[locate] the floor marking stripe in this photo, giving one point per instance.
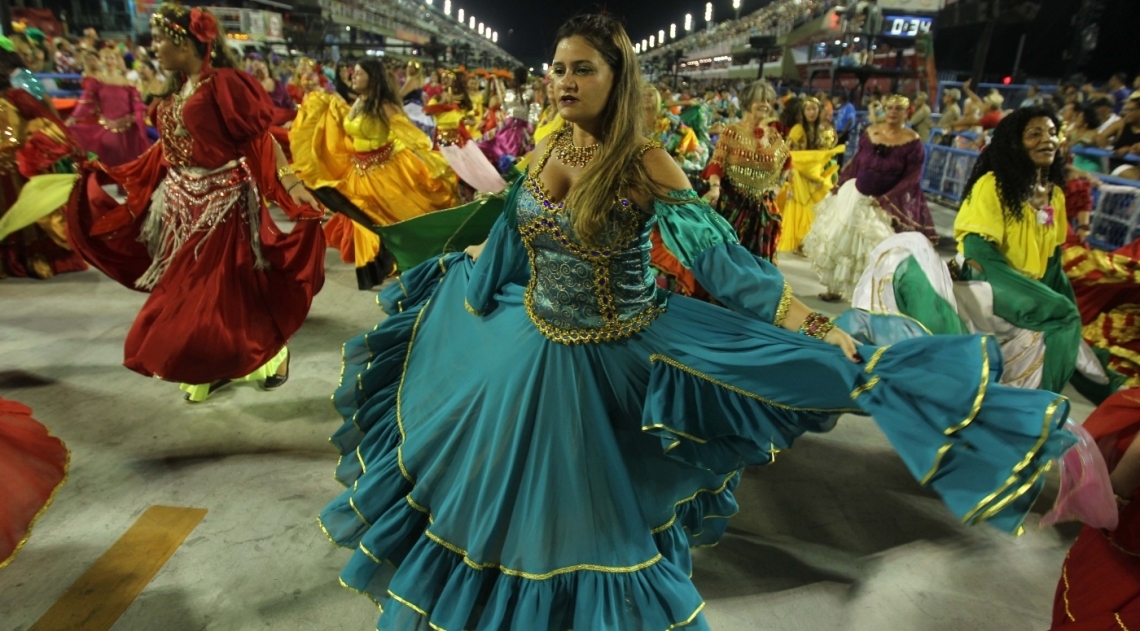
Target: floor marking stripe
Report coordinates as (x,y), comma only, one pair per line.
(100,596)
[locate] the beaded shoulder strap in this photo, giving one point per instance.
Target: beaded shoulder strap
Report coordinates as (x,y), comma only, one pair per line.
(548,152)
(649,146)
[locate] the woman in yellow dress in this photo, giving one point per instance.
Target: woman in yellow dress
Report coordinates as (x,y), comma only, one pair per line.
(364,153)
(475,93)
(550,120)
(812,141)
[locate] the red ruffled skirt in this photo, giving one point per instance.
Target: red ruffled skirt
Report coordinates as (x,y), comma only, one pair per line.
(1099,588)
(33,465)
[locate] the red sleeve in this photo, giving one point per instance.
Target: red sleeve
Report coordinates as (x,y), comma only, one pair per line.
(245,107)
(247,114)
(716,163)
(295,93)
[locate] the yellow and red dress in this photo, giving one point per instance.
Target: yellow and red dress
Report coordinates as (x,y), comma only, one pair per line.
(34,143)
(368,161)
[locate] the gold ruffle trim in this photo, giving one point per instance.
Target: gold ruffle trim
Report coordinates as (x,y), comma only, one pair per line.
(51,498)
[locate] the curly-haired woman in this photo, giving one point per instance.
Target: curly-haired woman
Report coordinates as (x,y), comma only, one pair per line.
(1010,230)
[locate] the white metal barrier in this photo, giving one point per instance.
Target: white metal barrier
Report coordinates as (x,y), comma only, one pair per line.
(1115,219)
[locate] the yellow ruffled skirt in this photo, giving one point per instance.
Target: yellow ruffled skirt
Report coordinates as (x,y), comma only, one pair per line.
(412,181)
(810,182)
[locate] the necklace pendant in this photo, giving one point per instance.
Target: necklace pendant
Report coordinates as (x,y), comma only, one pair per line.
(570,154)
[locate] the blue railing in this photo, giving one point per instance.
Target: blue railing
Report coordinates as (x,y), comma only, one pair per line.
(50,79)
(1115,219)
(1103,156)
(946,171)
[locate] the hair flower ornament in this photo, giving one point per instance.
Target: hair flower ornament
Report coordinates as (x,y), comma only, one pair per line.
(203,25)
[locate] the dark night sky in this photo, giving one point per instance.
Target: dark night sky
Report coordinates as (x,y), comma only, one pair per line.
(526,30)
(1118,48)
(535,22)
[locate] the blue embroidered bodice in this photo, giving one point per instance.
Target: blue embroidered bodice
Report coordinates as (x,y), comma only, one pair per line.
(579,294)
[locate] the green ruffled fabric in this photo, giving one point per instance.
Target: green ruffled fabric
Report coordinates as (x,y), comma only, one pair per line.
(1047,305)
(689,229)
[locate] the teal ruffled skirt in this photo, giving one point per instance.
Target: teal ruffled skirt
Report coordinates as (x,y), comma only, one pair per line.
(500,481)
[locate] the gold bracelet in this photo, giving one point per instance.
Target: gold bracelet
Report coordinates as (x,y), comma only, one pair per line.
(284,171)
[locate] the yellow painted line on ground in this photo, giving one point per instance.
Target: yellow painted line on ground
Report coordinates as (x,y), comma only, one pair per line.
(97,599)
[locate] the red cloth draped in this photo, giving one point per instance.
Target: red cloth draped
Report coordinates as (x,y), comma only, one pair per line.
(32,251)
(33,464)
(1107,288)
(1099,588)
(211,315)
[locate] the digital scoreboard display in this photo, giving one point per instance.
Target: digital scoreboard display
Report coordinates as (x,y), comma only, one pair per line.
(906,25)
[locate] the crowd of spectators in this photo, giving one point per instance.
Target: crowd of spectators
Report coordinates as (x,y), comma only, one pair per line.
(777,18)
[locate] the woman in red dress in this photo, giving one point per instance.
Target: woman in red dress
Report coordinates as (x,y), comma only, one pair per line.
(227,287)
(33,465)
(1099,588)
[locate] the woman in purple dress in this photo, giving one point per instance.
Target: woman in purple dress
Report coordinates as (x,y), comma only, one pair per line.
(879,193)
(514,135)
(109,119)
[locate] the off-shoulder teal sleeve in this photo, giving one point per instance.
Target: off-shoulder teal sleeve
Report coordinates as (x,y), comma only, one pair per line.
(705,243)
(503,259)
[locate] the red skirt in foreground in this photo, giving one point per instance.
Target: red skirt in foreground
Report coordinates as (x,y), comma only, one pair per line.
(33,465)
(1099,588)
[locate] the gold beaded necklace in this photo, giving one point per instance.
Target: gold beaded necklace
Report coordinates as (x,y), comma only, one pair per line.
(570,154)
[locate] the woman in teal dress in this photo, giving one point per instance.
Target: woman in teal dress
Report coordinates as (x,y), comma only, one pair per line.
(535,440)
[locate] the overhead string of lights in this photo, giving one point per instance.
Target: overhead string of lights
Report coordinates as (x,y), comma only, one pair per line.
(483,29)
(658,39)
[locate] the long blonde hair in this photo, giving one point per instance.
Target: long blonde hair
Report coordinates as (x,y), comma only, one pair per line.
(617,168)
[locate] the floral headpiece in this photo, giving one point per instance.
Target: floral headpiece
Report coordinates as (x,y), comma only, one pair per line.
(203,28)
(173,30)
(897,99)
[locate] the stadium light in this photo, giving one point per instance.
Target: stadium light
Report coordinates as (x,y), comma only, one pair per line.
(708,12)
(480,28)
(447,7)
(672,31)
(637,48)
(460,16)
(688,22)
(495,37)
(736,4)
(428,2)
(472,23)
(644,45)
(661,37)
